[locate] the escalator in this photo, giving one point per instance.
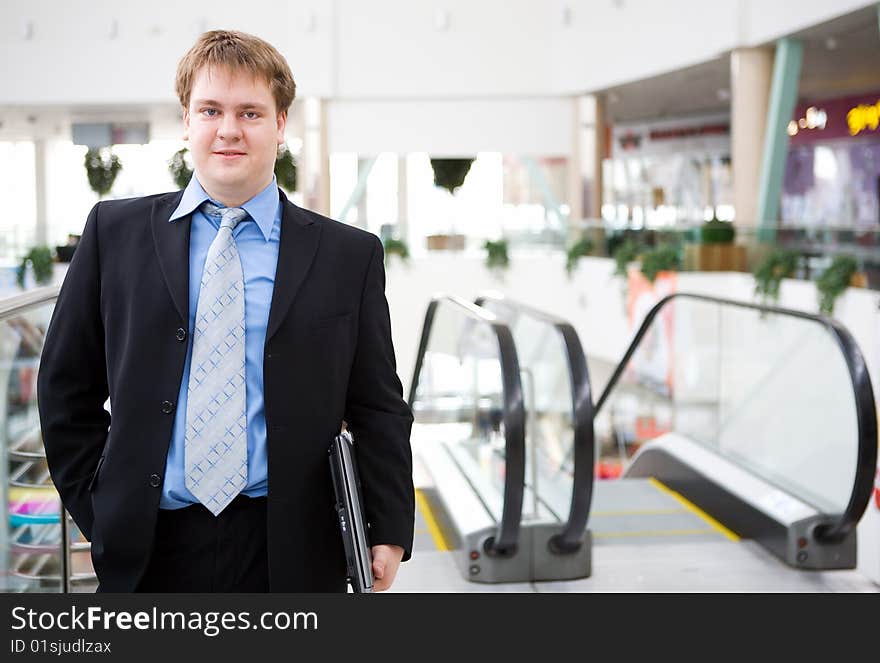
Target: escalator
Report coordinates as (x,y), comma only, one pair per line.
(729,423)
(493,424)
(762,418)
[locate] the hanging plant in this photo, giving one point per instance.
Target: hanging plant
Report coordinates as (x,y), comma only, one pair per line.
(717,232)
(179,168)
(834,281)
(496,254)
(102,167)
(285,169)
(662,258)
(450,173)
(396,247)
(779,264)
(582,247)
(40,260)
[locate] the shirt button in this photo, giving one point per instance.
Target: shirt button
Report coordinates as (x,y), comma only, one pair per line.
(167,407)
(155,480)
(181,334)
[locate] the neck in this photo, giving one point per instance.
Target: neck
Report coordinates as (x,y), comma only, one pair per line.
(233,196)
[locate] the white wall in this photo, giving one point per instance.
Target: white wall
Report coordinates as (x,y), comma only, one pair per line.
(72,59)
(452,128)
(383,49)
(392,49)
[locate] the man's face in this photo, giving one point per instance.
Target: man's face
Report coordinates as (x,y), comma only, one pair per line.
(234,132)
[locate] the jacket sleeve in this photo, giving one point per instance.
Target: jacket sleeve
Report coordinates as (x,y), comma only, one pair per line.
(379,418)
(72,381)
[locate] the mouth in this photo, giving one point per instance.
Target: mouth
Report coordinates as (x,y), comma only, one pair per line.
(229,154)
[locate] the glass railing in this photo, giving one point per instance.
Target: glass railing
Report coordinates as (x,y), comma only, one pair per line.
(42,550)
(783,394)
(466,395)
(559,416)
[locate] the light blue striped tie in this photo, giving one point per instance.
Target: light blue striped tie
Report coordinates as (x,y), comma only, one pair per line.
(215,446)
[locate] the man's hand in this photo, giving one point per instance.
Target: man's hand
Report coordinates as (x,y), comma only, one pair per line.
(386,559)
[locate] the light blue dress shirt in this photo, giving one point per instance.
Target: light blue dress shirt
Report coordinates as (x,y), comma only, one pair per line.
(257,240)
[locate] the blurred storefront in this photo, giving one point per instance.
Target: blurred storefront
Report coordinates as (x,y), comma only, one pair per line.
(832,176)
(669,172)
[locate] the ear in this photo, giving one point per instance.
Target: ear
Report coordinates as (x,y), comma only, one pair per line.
(186,124)
(282,123)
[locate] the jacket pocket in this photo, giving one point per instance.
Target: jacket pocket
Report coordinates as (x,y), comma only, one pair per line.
(95,475)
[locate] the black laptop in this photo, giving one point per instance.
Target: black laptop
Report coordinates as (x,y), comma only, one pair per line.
(350,513)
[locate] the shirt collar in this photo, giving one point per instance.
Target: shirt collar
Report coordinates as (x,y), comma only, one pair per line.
(263,207)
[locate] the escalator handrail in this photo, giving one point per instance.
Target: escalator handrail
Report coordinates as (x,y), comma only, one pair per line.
(506,538)
(569,538)
(866,415)
(35,297)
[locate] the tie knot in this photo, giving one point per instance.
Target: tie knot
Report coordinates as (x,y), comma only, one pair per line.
(229,216)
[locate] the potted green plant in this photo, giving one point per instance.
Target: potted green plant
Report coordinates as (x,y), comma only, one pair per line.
(395,247)
(102,167)
(40,260)
(496,254)
(285,169)
(582,247)
(834,280)
(661,258)
(777,265)
(180,170)
(625,253)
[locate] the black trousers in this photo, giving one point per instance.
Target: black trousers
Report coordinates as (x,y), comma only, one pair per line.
(196,551)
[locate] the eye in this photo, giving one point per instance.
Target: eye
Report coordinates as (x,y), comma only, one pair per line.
(209,112)
(251,115)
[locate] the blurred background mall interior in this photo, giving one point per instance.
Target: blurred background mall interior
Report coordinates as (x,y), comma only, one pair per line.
(632,257)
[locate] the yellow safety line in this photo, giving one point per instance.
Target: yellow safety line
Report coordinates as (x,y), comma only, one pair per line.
(433,527)
(693,508)
(636,512)
(665,532)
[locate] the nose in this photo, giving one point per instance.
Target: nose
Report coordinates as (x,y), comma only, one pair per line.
(229,128)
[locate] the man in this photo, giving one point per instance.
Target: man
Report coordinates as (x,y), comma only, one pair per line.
(233,333)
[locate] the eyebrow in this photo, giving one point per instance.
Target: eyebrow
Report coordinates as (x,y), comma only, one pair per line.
(212,102)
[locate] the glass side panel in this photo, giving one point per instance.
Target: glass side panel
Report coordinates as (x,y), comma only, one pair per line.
(723,376)
(459,400)
(546,382)
(31,551)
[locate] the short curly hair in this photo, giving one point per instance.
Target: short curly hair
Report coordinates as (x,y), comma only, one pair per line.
(237,50)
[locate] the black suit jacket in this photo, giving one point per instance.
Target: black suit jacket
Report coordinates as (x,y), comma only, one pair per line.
(328,357)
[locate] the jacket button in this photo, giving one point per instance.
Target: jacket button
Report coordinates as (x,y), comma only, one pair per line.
(181,334)
(155,480)
(167,407)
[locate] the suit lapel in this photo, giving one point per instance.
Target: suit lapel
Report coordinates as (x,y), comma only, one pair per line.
(298,245)
(172,247)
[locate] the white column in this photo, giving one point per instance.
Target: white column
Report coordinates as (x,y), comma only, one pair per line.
(575,169)
(296,128)
(324,170)
(402,215)
(316,187)
(41,234)
(751,70)
(362,165)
